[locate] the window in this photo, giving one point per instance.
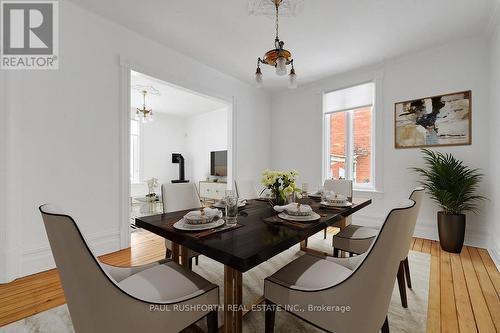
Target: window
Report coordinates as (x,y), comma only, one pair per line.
(348,135)
(135,175)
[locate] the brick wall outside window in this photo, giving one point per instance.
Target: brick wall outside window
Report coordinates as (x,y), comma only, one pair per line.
(362,127)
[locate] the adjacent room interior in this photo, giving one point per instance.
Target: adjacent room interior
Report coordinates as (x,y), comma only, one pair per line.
(176,136)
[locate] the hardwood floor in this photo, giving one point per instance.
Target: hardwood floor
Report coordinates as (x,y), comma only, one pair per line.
(464,289)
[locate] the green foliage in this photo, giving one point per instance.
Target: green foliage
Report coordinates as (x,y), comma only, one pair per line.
(451,184)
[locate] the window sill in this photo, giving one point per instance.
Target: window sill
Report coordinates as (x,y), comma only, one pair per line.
(368,193)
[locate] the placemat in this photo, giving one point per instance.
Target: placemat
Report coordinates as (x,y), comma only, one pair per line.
(297,224)
(202,233)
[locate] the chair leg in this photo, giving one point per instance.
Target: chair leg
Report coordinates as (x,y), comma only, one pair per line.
(196,260)
(190,263)
(385,327)
(407,272)
(335,252)
(324,233)
(402,285)
(270,316)
(212,322)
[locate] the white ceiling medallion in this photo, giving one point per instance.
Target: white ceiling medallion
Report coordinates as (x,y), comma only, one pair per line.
(288,8)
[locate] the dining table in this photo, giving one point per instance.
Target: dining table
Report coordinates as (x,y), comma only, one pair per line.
(258,236)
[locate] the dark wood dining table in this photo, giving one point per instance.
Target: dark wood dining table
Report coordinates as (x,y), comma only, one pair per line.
(240,249)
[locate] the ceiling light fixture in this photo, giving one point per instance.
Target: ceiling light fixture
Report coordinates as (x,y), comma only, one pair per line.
(277,57)
(145,114)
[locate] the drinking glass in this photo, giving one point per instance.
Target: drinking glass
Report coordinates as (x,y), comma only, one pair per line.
(231,207)
(305,190)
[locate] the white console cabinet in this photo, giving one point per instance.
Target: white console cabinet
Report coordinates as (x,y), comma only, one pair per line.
(212,190)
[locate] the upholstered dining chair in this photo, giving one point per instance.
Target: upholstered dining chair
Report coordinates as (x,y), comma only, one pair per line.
(339,186)
(343,295)
(180,196)
(104,298)
(356,239)
(245,189)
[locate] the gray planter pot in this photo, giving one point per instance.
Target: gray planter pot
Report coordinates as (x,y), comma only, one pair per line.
(451,229)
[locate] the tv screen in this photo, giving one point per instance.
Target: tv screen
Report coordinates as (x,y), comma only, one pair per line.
(218,163)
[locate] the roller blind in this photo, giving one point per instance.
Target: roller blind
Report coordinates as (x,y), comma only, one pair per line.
(349,98)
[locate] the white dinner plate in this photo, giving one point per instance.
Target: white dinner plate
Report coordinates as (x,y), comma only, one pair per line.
(309,218)
(336,205)
(182,225)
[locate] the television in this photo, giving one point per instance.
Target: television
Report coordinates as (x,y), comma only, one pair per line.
(218,163)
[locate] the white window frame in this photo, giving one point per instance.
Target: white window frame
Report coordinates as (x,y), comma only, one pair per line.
(374,185)
(138,179)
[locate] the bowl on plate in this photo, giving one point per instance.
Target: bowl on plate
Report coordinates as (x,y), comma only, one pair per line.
(336,199)
(202,216)
(296,209)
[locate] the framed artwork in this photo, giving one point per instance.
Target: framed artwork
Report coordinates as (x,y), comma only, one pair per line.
(443,120)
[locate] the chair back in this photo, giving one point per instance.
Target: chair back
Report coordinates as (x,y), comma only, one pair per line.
(91,295)
(376,275)
(368,289)
(339,186)
(179,196)
(245,189)
(417,196)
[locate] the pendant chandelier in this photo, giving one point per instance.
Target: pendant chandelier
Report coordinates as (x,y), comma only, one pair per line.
(145,114)
(277,57)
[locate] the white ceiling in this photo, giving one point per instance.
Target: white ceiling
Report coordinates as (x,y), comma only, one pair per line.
(326,37)
(172,100)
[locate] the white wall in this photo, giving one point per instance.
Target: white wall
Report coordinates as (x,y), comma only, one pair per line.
(463,65)
(166,135)
(495,144)
(205,133)
(64,131)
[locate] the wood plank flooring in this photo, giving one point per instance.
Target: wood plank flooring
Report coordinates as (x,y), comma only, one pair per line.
(464,289)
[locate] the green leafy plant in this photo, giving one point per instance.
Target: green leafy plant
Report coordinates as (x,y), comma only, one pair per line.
(450,183)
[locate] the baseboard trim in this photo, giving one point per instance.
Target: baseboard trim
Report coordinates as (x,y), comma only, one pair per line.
(494,252)
(40,259)
(425,229)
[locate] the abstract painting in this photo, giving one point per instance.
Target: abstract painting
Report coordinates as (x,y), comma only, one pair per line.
(443,120)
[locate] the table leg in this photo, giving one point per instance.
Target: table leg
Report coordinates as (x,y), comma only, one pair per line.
(175,252)
(232,300)
(303,245)
(184,256)
(344,223)
(238,300)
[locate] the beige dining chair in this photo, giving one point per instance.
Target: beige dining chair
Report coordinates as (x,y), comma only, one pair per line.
(343,295)
(356,239)
(343,187)
(104,298)
(245,189)
(180,196)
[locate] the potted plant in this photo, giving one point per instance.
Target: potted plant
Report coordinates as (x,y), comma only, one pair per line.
(281,183)
(452,186)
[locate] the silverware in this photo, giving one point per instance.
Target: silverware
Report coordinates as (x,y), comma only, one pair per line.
(213,231)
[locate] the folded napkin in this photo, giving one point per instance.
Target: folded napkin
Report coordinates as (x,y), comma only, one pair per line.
(331,196)
(294,209)
(204,215)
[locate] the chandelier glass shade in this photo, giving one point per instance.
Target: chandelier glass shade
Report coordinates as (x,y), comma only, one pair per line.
(144,114)
(278,57)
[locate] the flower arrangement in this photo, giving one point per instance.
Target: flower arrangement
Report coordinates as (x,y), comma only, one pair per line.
(281,183)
